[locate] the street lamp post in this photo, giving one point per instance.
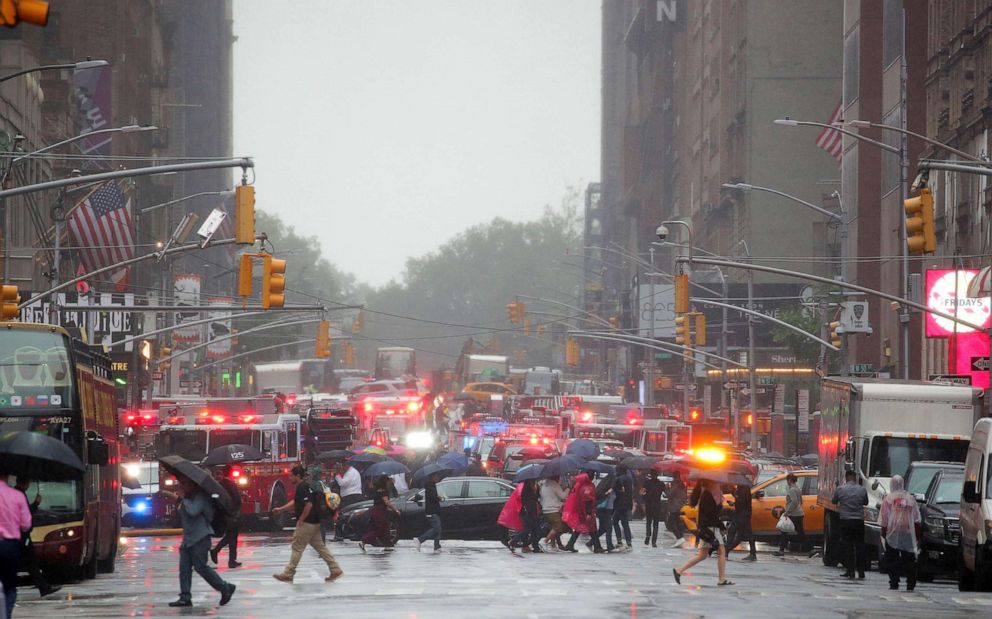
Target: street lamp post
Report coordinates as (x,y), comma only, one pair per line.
(685,362)
(83,64)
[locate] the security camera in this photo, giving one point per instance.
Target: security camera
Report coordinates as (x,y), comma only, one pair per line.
(661,232)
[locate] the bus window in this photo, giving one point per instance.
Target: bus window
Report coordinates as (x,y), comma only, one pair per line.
(292,441)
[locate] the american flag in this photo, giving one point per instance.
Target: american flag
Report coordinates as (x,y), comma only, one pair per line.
(830,139)
(101,228)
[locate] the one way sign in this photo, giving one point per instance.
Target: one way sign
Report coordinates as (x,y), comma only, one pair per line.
(979,364)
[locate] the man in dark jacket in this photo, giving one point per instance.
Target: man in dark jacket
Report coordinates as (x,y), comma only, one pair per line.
(622,506)
(742,518)
(230,539)
(850,500)
(196,512)
(475,468)
(432,509)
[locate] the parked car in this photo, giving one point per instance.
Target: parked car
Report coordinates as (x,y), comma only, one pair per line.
(975,549)
(939,511)
(469,510)
(921,473)
(508,455)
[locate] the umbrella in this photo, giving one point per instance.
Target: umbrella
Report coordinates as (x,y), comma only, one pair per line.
(386,467)
(528,472)
(583,448)
(229,454)
(455,461)
(721,476)
(36,456)
(535,452)
(596,466)
(336,454)
(426,471)
(980,285)
(619,454)
(180,466)
(563,465)
(809,459)
(372,449)
(367,457)
(640,462)
(670,466)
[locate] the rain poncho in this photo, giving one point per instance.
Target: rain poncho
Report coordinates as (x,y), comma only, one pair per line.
(575,513)
(509,517)
(899,516)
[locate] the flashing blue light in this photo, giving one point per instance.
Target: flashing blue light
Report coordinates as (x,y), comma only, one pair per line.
(468,442)
(141,507)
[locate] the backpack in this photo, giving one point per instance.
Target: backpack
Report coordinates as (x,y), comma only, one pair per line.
(604,485)
(222,519)
(323,499)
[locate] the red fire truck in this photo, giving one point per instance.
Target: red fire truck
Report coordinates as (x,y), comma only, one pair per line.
(266,484)
(396,414)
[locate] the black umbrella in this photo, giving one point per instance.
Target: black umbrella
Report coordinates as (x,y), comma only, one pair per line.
(529,472)
(336,454)
(430,469)
(562,465)
(232,454)
(596,466)
(583,448)
(368,458)
(38,457)
(619,454)
(182,467)
(386,467)
(640,462)
(720,476)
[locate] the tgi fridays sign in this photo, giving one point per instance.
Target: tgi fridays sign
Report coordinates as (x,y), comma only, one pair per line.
(100,328)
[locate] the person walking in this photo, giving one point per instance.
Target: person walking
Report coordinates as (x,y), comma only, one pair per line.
(196,513)
(230,539)
(651,492)
(623,504)
(15,520)
(899,518)
(742,519)
(579,511)
(850,499)
(677,496)
(349,482)
(530,513)
(378,531)
(432,509)
(794,512)
(29,562)
(475,468)
(552,499)
(307,512)
(605,498)
(708,496)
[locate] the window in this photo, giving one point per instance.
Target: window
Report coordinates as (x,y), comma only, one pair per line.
(189,444)
(852,66)
(949,490)
(864,456)
(483,489)
(450,489)
(812,484)
(892,455)
(777,489)
(891,31)
(292,441)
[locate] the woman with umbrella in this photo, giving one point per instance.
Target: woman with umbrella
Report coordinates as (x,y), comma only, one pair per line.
(379,514)
(432,506)
(709,497)
(579,511)
(651,491)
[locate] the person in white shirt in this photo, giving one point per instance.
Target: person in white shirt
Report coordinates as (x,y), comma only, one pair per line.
(552,499)
(350,489)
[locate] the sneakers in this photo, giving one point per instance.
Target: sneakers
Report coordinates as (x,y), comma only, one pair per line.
(233,564)
(334,576)
(228,593)
(654,544)
(180,603)
(813,553)
(647,540)
(847,575)
(437,551)
(283,578)
(419,544)
(213,555)
(750,558)
(50,590)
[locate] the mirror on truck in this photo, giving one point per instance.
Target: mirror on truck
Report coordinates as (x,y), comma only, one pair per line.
(969,492)
(97,451)
(849,451)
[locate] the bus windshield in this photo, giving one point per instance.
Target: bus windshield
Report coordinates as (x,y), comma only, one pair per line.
(891,455)
(34,370)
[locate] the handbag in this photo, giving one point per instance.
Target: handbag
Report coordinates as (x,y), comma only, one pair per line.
(785,525)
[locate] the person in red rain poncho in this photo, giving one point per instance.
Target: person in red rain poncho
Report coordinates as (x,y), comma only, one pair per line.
(579,511)
(509,516)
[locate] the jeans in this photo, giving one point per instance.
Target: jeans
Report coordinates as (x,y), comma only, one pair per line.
(743,523)
(605,517)
(901,563)
(621,518)
(652,516)
(304,535)
(852,535)
(434,532)
(194,557)
(230,540)
(800,533)
(10,559)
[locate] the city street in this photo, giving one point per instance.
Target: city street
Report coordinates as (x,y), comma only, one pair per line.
(482,579)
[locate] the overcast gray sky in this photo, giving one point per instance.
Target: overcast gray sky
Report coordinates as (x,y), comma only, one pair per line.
(387,127)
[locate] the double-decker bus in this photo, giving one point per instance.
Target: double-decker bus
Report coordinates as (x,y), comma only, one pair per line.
(58,386)
(265,484)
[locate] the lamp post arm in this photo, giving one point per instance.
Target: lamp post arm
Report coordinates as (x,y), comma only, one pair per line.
(928,140)
(271,325)
(853,134)
(654,346)
(669,346)
(250,352)
(818,209)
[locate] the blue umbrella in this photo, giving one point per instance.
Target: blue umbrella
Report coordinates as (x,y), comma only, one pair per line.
(386,467)
(529,472)
(562,466)
(583,448)
(426,471)
(455,461)
(596,466)
(367,457)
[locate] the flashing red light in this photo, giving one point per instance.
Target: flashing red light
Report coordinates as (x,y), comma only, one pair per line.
(235,473)
(545,441)
(633,421)
(587,416)
(368,407)
(248,418)
(218,419)
(146,417)
(130,418)
(533,440)
(378,443)
(694,414)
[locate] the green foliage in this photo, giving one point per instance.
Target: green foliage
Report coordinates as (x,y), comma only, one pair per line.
(805,349)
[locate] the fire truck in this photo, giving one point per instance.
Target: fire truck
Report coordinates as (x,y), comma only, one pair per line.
(655,437)
(398,415)
(326,426)
(264,485)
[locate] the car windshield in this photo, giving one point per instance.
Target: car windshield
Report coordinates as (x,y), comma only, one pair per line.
(189,444)
(892,455)
(948,490)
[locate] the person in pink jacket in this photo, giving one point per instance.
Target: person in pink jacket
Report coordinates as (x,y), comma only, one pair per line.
(579,511)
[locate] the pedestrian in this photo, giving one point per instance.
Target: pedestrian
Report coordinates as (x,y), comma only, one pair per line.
(742,519)
(579,511)
(15,520)
(552,499)
(432,509)
(475,468)
(623,488)
(605,498)
(850,500)
(530,513)
(676,501)
(901,532)
(651,492)
(378,530)
(230,539)
(349,482)
(29,562)
(794,512)
(708,496)
(196,512)
(307,512)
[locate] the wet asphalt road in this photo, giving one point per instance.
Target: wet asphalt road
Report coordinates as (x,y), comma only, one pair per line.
(482,579)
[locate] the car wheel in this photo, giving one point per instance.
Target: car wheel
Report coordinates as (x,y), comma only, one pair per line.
(966,578)
(830,541)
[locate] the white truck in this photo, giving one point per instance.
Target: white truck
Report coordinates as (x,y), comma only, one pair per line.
(877,428)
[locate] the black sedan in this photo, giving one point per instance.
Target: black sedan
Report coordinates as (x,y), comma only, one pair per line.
(469,510)
(939,512)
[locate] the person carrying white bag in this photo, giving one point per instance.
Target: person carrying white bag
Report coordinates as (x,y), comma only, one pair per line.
(794,514)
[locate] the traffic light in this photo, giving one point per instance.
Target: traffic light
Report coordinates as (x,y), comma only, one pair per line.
(682,335)
(245,269)
(700,334)
(695,414)
(681,293)
(163,352)
(244,214)
(273,282)
(31,11)
(614,322)
(921,237)
(349,355)
(323,349)
(359,323)
(835,334)
(526,326)
(9,299)
(572,352)
(515,312)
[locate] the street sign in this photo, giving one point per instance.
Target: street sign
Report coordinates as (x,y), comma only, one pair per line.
(954,379)
(680,387)
(767,380)
(157,375)
(662,356)
(802,409)
(778,405)
(980,364)
(864,368)
(854,317)
(734,384)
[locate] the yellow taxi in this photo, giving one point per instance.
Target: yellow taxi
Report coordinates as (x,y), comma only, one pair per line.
(482,392)
(768,504)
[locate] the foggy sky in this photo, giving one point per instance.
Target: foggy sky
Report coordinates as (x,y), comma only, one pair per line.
(387,127)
